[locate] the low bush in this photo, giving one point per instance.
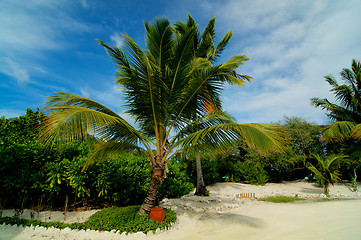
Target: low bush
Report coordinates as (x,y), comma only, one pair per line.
(127,219)
(122,219)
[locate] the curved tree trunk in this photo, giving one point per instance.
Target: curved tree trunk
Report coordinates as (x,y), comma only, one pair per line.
(157,176)
(201,187)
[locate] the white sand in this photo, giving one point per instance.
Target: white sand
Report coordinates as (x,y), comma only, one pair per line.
(223,216)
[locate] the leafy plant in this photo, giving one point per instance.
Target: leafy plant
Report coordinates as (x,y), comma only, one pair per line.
(126,219)
(326,172)
(122,219)
(347,111)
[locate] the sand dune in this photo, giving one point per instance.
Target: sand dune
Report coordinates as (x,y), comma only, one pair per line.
(224,216)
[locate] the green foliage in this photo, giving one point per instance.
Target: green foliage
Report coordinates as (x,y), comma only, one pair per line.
(168,88)
(122,219)
(127,219)
(249,168)
(326,172)
(209,168)
(34,176)
(347,95)
(22,160)
(254,173)
(282,199)
(20,130)
(28,223)
(177,182)
(245,164)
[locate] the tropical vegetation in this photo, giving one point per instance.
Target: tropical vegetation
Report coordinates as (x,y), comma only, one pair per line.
(81,154)
(110,219)
(327,171)
(346,114)
(167,91)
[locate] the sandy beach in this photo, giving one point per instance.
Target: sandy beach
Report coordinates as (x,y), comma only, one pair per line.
(232,211)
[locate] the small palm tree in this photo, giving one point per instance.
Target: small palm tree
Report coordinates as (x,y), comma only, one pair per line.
(326,171)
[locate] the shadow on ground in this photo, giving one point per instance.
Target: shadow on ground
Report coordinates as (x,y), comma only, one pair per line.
(231,218)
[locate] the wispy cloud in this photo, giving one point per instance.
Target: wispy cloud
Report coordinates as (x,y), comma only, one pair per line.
(29,29)
(117,39)
(19,73)
(84,4)
(292,45)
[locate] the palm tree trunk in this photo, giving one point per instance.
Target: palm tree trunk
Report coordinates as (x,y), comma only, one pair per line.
(201,187)
(66,206)
(157,176)
(354,179)
(325,189)
(3,200)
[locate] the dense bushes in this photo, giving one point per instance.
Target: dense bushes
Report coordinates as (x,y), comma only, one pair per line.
(303,139)
(32,176)
(123,181)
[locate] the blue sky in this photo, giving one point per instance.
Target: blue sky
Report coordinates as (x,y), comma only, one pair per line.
(49,46)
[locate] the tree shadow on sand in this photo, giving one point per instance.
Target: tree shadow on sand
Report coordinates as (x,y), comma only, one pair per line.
(312,190)
(231,218)
(220,186)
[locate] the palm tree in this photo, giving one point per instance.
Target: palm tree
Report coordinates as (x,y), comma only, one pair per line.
(164,88)
(327,170)
(348,112)
(203,46)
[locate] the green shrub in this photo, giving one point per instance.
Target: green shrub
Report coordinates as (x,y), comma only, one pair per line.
(177,182)
(127,219)
(254,173)
(123,219)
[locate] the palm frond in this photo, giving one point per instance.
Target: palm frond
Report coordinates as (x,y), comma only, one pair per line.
(111,149)
(356,133)
(73,117)
(263,138)
(225,134)
(313,169)
(339,131)
(222,45)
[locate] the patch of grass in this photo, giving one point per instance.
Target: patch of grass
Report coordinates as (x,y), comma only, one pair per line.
(122,219)
(282,199)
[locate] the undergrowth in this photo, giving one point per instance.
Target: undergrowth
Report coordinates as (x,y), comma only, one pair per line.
(122,219)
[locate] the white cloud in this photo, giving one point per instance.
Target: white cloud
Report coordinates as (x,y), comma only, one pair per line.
(84,4)
(29,29)
(85,92)
(19,73)
(292,45)
(117,39)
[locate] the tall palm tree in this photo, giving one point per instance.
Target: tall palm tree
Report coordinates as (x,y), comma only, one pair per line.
(326,171)
(203,46)
(164,87)
(347,113)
